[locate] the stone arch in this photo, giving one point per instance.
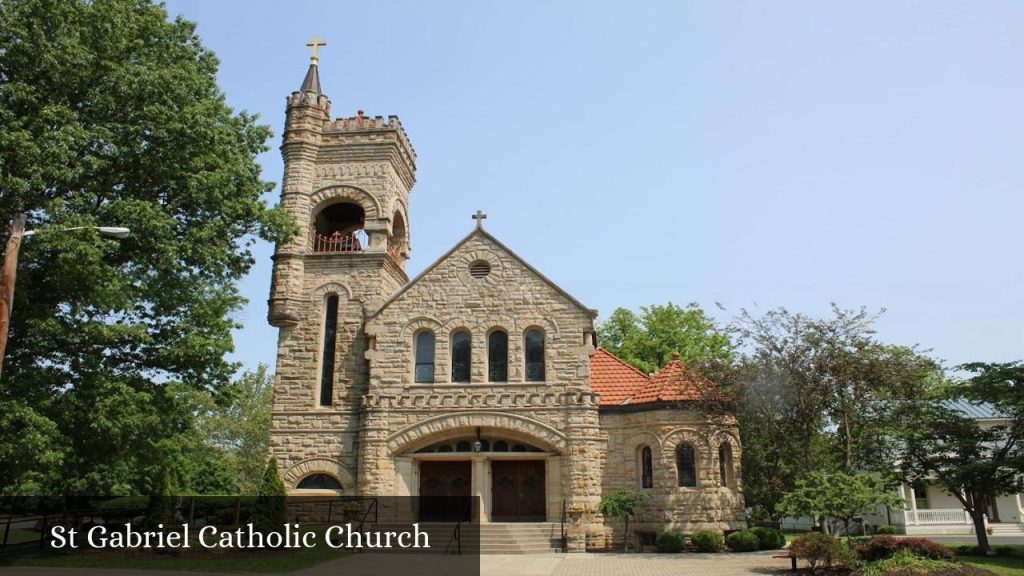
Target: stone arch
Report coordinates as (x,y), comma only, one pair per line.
(548,325)
(420,323)
(398,207)
(334,194)
(689,435)
(332,287)
(705,457)
(320,466)
(629,449)
(423,433)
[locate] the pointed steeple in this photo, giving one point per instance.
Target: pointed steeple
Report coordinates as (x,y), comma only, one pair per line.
(312,81)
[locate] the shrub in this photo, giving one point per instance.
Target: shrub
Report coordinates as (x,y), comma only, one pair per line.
(670,542)
(878,548)
(1005,551)
(769,538)
(886,529)
(968,550)
(905,563)
(882,547)
(926,548)
(707,541)
(820,549)
(742,541)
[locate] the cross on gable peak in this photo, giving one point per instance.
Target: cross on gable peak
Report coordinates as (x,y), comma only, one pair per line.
(479,217)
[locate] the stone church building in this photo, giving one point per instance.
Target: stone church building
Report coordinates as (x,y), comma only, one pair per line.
(478,377)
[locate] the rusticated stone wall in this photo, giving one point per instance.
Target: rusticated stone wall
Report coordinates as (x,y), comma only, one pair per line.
(711,505)
(559,415)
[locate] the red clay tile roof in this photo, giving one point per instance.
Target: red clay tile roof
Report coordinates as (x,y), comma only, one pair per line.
(620,384)
(674,382)
(613,379)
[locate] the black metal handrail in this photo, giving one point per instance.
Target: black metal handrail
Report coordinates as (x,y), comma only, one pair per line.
(565,535)
(456,539)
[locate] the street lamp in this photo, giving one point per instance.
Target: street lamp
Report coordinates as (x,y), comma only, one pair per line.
(10,268)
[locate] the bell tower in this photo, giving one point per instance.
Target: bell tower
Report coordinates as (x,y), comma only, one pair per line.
(346,184)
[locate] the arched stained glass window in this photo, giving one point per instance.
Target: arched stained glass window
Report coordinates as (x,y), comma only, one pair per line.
(533,345)
(425,357)
(319,482)
(725,465)
(461,356)
(646,468)
(497,356)
(330,343)
(686,466)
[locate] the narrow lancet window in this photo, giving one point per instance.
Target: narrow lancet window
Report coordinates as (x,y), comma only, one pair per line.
(327,357)
(646,468)
(497,356)
(686,466)
(533,344)
(425,357)
(461,356)
(725,464)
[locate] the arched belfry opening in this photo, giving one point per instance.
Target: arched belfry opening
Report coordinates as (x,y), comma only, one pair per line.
(398,243)
(339,228)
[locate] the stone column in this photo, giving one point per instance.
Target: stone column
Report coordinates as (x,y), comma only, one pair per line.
(481,489)
(582,464)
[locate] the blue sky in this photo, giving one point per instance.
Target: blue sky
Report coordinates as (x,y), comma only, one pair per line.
(756,154)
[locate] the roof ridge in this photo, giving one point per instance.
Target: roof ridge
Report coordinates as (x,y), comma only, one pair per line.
(624,363)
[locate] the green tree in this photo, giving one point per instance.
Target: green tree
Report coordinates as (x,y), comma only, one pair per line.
(838,495)
(241,427)
(821,394)
(110,114)
(973,461)
(647,340)
(268,513)
(622,505)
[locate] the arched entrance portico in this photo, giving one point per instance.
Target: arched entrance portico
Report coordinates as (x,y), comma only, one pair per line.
(513,464)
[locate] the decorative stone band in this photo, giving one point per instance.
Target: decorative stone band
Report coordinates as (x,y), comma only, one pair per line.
(439,399)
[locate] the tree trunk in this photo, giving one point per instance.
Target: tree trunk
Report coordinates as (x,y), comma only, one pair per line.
(849,443)
(978,516)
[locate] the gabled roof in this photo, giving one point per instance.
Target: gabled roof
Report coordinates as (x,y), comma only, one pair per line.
(479,231)
(614,379)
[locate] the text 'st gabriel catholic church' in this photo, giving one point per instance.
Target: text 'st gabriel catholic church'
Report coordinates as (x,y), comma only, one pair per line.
(478,377)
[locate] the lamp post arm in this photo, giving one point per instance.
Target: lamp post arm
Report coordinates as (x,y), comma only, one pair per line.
(10,272)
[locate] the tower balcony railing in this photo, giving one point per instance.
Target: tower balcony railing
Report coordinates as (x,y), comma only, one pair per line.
(338,242)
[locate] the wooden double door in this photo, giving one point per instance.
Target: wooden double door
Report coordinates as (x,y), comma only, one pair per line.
(517,491)
(445,490)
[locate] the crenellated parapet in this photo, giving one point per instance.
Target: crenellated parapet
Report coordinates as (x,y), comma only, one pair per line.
(366,139)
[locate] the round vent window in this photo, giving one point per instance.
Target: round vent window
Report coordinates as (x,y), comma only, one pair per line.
(479,269)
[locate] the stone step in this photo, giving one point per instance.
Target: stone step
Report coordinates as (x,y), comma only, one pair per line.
(1006,528)
(506,538)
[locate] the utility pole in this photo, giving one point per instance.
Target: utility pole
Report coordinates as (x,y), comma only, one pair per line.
(9,274)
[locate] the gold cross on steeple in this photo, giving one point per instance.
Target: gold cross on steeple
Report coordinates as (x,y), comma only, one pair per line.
(479,217)
(315,44)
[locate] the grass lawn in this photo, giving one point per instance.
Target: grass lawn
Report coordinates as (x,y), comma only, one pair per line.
(1002,565)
